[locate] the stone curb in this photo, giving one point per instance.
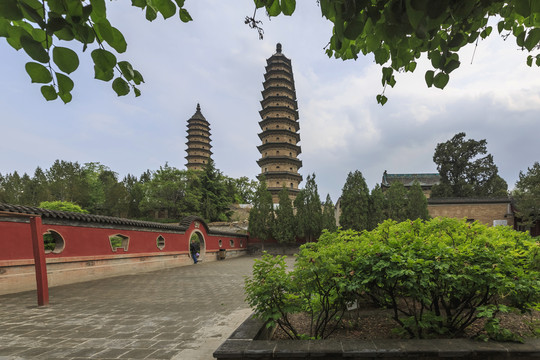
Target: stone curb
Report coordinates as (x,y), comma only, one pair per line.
(250,341)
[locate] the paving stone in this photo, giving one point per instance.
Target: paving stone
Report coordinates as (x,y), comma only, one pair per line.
(137,354)
(162,310)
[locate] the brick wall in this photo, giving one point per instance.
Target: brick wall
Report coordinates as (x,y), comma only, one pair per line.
(485,213)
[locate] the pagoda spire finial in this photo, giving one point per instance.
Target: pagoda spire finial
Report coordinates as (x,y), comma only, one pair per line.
(278,48)
(198,107)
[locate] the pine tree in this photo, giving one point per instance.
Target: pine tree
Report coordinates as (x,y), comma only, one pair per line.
(329,215)
(261,214)
(417,203)
(283,229)
(396,197)
(355,203)
(377,207)
(309,211)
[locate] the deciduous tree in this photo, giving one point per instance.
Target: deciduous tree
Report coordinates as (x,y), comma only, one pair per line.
(463,172)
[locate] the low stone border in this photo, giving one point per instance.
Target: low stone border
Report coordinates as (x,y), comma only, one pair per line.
(250,341)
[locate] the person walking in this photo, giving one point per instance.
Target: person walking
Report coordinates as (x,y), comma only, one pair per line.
(193,249)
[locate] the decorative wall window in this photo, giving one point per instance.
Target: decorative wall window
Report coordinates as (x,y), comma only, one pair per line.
(53,242)
(277,152)
(220,243)
(290,153)
(118,241)
(291,185)
(160,242)
(277,167)
(231,242)
(241,243)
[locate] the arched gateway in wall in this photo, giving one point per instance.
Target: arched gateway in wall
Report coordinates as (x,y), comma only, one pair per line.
(94,246)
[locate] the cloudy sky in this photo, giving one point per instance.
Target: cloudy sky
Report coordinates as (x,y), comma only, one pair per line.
(218,61)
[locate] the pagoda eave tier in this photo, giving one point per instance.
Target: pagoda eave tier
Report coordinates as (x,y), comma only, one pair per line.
(198,156)
(274,82)
(280,132)
(279,99)
(278,74)
(272,120)
(290,93)
(276,190)
(198,137)
(281,175)
(191,146)
(279,159)
(198,122)
(269,146)
(268,109)
(278,59)
(194,129)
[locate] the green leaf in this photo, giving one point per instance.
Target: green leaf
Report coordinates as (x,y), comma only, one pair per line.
(500,26)
(184,16)
(273,9)
(410,66)
(440,80)
(103,59)
(414,16)
(485,33)
(48,92)
(137,92)
(381,99)
(151,14)
(66,59)
(381,55)
(105,75)
(99,10)
(523,7)
(66,97)
(118,43)
(137,77)
(33,15)
(288,6)
(38,73)
(451,66)
(65,84)
(127,70)
(104,30)
(529,60)
(353,29)
(10,10)
(166,7)
(138,3)
(120,86)
(4,27)
(180,3)
(533,37)
(429,77)
(34,49)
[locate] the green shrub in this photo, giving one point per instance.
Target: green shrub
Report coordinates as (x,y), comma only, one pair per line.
(438,276)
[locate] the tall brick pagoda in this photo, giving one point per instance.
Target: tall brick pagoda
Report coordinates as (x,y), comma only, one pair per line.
(279,150)
(198,144)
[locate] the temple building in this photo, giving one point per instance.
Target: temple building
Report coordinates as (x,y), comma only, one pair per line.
(279,124)
(426,181)
(198,144)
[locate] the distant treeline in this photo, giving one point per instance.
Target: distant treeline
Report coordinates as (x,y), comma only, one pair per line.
(166,194)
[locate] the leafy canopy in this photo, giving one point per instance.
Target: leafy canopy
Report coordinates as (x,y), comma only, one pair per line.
(463,172)
(398,32)
(39,26)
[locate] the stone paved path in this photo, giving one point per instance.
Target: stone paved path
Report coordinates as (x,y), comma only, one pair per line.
(180,313)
